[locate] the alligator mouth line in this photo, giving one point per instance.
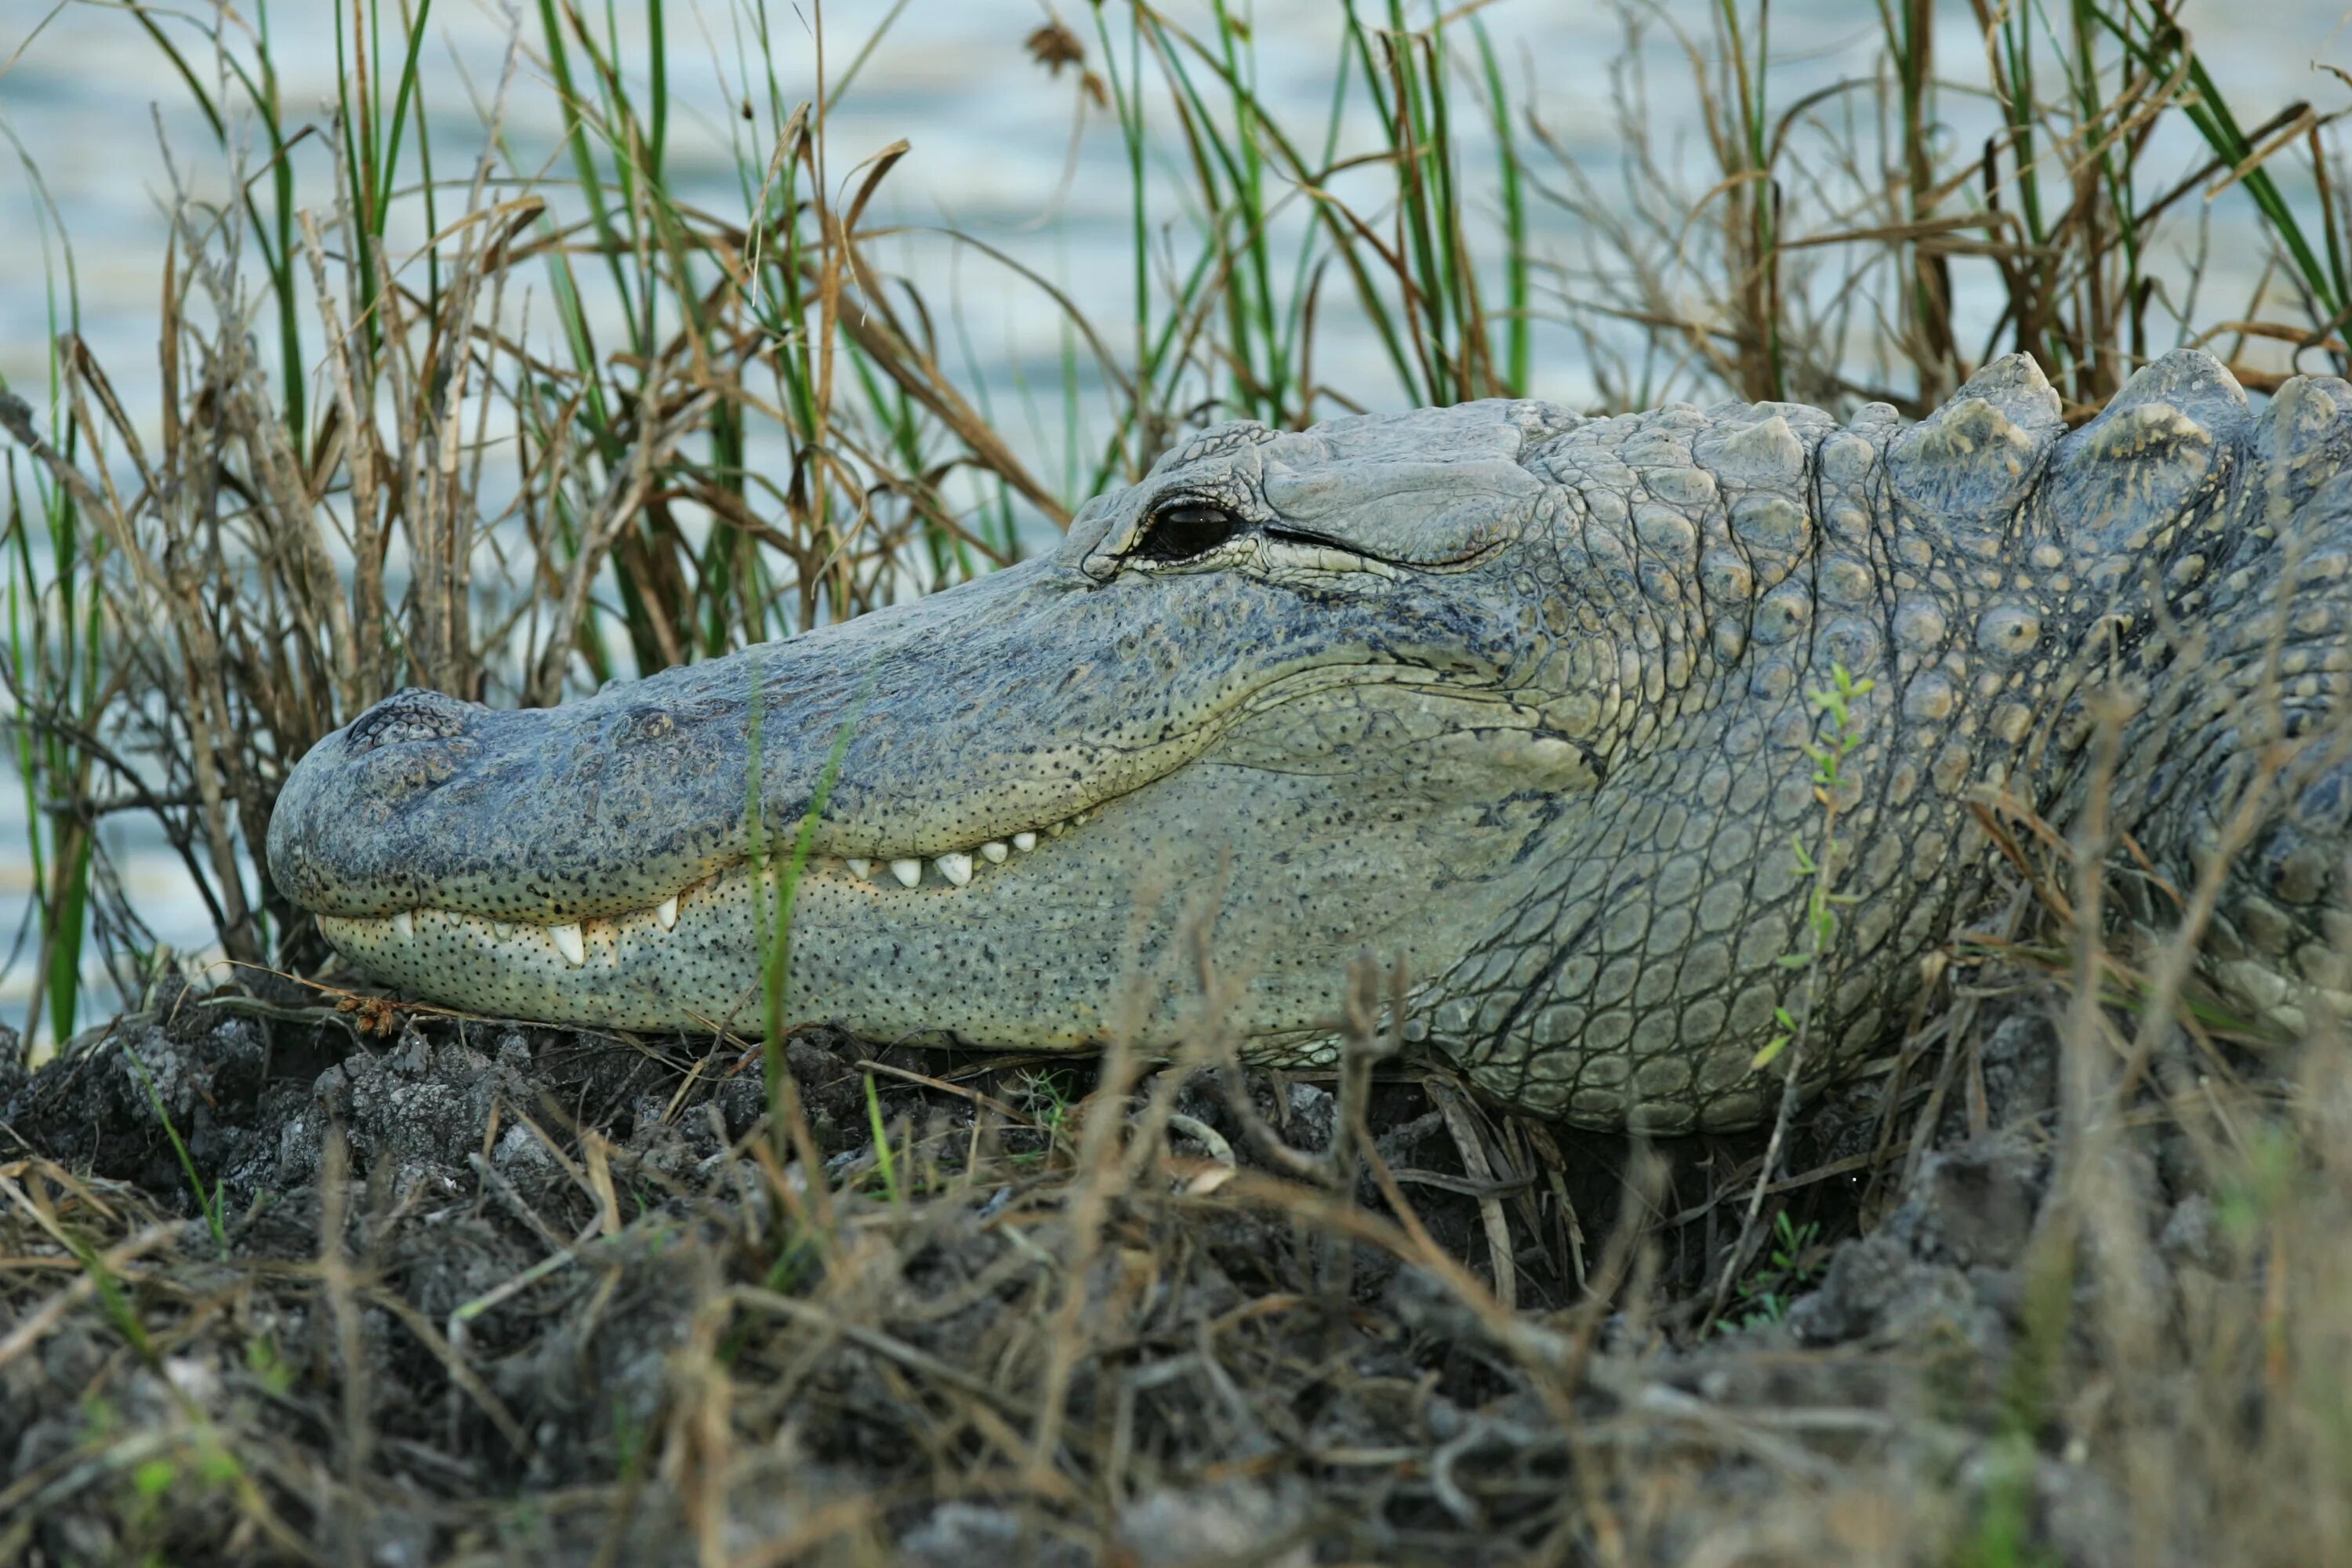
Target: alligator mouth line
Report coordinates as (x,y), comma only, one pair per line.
(605,941)
(578,940)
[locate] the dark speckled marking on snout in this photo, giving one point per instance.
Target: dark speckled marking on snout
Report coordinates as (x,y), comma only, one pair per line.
(1537,732)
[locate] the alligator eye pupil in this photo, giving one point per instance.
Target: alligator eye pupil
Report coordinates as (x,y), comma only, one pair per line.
(1182,532)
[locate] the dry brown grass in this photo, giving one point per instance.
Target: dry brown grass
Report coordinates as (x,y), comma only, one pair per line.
(564,1304)
(1814,255)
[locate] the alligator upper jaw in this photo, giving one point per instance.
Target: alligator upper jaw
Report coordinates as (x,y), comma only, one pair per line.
(819,850)
(935,734)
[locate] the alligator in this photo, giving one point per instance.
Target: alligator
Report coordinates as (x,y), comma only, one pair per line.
(1528,706)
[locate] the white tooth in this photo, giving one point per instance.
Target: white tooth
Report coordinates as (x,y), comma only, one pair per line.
(996,850)
(956,869)
(1024,842)
(859,868)
(403,926)
(667,913)
(908,872)
(570,943)
(1055,829)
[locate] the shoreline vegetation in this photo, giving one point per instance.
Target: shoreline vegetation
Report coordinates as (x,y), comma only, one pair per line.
(290,1273)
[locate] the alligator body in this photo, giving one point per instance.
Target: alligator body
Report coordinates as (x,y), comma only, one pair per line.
(1519,700)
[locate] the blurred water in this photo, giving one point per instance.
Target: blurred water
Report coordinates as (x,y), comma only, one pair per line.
(90,103)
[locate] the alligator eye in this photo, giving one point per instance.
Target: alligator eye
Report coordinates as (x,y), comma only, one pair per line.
(1187,530)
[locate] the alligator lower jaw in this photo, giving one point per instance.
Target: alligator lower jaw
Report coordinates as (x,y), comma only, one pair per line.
(379,943)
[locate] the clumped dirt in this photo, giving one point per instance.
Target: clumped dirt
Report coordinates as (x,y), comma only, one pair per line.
(276,1286)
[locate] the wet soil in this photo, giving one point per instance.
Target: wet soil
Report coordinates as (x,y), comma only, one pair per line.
(284,1284)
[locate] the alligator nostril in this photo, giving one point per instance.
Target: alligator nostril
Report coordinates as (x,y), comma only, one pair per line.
(410,714)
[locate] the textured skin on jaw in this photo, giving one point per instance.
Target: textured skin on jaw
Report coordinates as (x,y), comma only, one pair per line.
(1515,699)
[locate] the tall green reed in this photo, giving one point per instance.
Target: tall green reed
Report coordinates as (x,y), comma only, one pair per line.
(1878,235)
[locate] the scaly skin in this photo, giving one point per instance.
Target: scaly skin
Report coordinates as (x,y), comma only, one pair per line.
(1514,698)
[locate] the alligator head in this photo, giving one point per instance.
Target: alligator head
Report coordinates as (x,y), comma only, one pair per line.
(1287,701)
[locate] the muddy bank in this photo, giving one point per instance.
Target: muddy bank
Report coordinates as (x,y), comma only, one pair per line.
(280,1287)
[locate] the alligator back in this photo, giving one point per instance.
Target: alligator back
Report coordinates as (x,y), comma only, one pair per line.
(2147,614)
